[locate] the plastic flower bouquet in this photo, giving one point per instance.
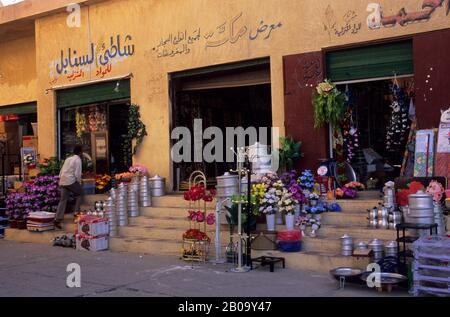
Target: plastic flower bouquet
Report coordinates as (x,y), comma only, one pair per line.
(306,180)
(269,202)
(286,202)
(355,185)
(138,170)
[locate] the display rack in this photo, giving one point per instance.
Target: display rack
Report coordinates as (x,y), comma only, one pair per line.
(197,249)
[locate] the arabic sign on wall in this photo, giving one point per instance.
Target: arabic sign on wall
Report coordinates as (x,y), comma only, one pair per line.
(102,56)
(378,19)
(229,32)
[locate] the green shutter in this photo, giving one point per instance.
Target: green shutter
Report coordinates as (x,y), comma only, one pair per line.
(94,93)
(374,61)
(25,108)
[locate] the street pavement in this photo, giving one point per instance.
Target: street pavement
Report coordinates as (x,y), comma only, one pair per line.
(40,270)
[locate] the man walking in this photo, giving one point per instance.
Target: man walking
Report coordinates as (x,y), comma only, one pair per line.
(70,183)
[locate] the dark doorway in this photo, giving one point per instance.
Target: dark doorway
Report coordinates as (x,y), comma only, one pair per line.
(233,100)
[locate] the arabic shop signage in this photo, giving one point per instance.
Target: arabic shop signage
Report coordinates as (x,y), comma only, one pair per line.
(229,32)
(99,55)
(378,19)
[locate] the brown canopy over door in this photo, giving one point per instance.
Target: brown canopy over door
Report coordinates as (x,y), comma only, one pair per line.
(302,73)
(431,76)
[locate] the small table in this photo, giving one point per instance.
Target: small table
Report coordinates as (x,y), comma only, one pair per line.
(268,260)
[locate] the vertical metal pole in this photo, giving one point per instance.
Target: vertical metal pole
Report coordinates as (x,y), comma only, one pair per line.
(239,213)
(249,211)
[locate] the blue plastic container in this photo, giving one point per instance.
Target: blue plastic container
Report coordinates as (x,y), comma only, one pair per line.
(290,246)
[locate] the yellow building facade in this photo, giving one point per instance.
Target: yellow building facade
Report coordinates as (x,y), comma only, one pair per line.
(156,38)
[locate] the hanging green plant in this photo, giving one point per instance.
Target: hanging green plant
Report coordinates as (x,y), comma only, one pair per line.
(136,131)
(329,105)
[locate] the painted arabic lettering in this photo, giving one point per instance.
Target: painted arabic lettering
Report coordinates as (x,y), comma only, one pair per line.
(349,24)
(229,31)
(376,18)
(104,56)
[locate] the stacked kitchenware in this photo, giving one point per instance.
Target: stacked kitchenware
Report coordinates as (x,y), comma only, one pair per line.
(389,195)
(362,246)
(391,249)
(144,192)
(420,211)
(395,218)
(122,205)
(373,217)
(439,218)
(113,193)
(347,245)
(383,217)
(133,201)
(376,245)
(110,210)
(157,186)
(260,158)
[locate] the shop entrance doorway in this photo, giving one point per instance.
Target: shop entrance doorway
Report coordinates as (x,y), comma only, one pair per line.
(377,126)
(229,96)
(96,117)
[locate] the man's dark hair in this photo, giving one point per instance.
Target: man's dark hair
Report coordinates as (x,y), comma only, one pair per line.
(78,149)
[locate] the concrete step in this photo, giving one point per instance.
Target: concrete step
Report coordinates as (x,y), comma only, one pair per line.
(164,212)
(357,232)
(177,200)
(315,261)
(159,221)
(38,237)
(89,200)
(338,218)
(142,245)
(357,206)
(328,245)
(165,233)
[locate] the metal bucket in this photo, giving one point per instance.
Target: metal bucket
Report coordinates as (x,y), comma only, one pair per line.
(157,186)
(391,249)
(420,211)
(227,185)
(260,158)
(346,245)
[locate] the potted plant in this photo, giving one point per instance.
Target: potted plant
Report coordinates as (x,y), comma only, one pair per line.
(286,205)
(269,207)
(329,105)
(306,182)
(289,152)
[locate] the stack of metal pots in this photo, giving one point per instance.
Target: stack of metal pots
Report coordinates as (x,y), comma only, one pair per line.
(391,249)
(113,193)
(110,210)
(373,217)
(260,158)
(420,211)
(122,205)
(133,202)
(362,246)
(347,245)
(439,218)
(144,192)
(376,245)
(395,218)
(383,217)
(227,185)
(157,186)
(389,195)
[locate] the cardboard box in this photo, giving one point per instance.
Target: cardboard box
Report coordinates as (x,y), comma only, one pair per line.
(9,127)
(30,141)
(93,226)
(90,243)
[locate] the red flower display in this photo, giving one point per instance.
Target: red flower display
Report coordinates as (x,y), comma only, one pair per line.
(198,192)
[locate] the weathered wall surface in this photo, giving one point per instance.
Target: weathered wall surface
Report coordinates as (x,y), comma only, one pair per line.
(158,37)
(17,71)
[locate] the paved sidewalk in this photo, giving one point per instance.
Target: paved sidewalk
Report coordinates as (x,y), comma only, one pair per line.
(39,270)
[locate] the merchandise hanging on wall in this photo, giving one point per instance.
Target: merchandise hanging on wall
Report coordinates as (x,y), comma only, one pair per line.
(398,126)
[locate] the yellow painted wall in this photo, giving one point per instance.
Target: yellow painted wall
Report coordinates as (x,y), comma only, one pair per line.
(306,25)
(17,71)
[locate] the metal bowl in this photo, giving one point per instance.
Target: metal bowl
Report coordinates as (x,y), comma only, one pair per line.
(348,272)
(386,278)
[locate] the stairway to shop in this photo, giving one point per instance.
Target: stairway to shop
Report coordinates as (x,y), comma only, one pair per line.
(159,229)
(322,253)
